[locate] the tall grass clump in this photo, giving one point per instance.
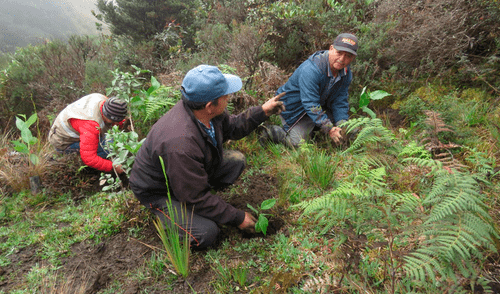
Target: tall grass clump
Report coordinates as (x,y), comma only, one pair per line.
(317,166)
(177,247)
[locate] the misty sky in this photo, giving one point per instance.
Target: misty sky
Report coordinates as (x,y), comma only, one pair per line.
(30,21)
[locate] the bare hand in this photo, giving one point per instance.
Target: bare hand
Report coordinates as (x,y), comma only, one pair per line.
(336,135)
(118,168)
(248,223)
(273,105)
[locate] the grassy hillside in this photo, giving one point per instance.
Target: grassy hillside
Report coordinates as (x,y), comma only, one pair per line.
(409,205)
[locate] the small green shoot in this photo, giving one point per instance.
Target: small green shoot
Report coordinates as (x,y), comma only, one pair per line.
(366,97)
(24,144)
(262,220)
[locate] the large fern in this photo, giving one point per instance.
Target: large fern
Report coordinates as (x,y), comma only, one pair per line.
(447,223)
(349,200)
(456,227)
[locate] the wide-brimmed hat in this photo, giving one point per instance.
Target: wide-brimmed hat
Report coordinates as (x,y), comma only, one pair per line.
(206,83)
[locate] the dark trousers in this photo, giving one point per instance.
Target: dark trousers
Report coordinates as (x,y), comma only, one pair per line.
(203,231)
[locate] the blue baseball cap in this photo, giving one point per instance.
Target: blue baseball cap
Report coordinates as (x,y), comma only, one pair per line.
(206,83)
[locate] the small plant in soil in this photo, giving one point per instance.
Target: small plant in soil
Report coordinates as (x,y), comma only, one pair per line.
(262,220)
(122,148)
(27,141)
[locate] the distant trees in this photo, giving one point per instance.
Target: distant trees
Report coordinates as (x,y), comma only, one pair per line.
(143,19)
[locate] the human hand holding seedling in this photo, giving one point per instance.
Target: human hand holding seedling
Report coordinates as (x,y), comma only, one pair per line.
(248,223)
(262,221)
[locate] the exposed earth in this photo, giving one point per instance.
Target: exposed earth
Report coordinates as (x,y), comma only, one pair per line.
(91,268)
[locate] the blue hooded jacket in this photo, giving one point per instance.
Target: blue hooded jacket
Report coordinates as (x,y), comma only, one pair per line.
(313,89)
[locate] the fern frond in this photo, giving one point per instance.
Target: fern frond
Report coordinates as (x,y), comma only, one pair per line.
(372,131)
(373,176)
(155,104)
(421,265)
(457,228)
(414,150)
(454,193)
(405,202)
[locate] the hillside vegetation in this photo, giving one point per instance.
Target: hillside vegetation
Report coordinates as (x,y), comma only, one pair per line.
(408,206)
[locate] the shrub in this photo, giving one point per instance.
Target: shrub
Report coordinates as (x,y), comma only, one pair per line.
(430,37)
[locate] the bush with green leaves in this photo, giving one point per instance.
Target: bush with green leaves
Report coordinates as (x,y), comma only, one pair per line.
(147,105)
(365,98)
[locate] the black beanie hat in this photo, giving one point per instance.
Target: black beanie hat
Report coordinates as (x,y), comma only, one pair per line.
(115,109)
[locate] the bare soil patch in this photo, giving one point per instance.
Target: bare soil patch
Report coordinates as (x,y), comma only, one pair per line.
(93,266)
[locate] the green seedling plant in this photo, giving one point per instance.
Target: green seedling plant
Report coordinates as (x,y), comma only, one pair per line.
(262,220)
(25,144)
(240,274)
(365,98)
(122,148)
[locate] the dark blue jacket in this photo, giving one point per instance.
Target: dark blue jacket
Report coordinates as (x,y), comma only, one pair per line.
(313,89)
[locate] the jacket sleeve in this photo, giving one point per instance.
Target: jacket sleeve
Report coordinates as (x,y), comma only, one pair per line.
(309,84)
(340,103)
(236,127)
(189,182)
(89,143)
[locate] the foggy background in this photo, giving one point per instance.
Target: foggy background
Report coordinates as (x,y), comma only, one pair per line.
(24,22)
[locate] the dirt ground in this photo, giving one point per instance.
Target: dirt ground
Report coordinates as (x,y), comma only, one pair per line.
(92,268)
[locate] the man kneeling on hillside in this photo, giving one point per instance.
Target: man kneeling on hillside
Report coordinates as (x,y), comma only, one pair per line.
(82,126)
(189,140)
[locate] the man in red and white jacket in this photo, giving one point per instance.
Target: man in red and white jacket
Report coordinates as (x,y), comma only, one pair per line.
(82,126)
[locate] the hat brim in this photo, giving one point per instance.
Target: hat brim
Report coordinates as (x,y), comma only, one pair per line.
(234,83)
(339,48)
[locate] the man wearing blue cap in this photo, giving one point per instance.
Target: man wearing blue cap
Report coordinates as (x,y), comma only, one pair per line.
(316,95)
(189,139)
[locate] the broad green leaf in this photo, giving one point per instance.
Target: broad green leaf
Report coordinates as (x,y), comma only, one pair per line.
(154,83)
(20,124)
(369,112)
(31,120)
(34,159)
(20,147)
(26,136)
(364,100)
(261,224)
(379,94)
(252,208)
(123,155)
(267,204)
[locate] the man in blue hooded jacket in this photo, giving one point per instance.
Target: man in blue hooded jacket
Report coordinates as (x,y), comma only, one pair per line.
(316,95)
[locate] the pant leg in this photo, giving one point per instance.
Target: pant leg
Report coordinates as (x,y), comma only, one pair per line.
(101,152)
(202,231)
(233,164)
(301,130)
